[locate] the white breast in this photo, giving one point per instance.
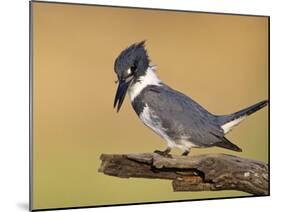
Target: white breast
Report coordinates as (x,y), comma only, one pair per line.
(152,121)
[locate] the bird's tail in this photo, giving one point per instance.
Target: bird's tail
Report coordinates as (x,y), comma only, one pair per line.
(227,122)
(228,145)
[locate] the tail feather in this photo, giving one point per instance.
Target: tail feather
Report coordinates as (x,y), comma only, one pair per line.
(228,145)
(250,110)
(229,121)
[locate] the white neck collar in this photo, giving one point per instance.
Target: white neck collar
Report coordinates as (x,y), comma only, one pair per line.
(149,78)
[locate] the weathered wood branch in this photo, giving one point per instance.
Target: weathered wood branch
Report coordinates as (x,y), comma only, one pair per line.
(210,172)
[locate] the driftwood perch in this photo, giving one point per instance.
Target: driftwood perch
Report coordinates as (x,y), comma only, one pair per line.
(210,172)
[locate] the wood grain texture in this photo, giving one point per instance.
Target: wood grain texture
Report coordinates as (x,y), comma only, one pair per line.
(209,172)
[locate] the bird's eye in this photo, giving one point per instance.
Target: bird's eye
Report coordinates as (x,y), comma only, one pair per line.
(129,72)
(133,68)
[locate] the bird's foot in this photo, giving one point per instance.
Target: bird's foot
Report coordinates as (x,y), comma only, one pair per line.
(185,153)
(164,153)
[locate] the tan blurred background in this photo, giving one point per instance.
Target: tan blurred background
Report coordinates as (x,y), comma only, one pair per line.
(218,60)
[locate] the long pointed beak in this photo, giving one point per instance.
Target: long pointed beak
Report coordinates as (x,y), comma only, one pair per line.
(121,93)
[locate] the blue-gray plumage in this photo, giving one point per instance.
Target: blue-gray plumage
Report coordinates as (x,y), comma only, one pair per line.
(178,119)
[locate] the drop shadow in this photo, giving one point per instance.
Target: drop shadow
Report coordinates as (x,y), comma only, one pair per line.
(23,206)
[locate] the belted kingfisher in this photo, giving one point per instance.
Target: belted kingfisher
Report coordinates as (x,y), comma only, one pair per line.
(178,119)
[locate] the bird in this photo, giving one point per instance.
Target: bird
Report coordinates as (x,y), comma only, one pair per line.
(176,118)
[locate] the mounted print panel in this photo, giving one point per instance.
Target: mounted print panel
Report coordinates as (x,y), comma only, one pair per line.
(136,105)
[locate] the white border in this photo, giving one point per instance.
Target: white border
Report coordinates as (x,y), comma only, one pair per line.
(14,102)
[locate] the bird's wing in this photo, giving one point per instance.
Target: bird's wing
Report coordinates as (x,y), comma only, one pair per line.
(182,117)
